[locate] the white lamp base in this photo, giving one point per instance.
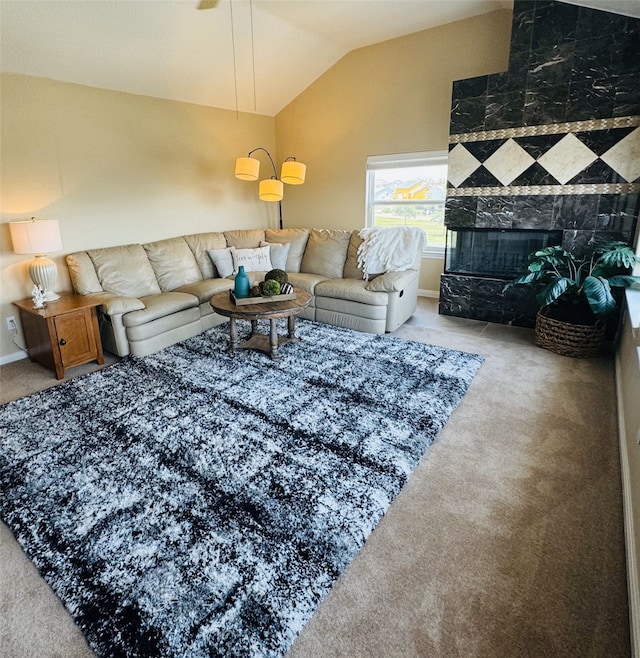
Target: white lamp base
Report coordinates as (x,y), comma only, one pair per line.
(43,273)
(50,296)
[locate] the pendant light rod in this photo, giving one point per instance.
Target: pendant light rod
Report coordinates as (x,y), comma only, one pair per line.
(233,51)
(273,164)
(253,58)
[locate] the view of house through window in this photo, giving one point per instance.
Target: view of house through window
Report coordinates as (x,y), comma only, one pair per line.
(409,189)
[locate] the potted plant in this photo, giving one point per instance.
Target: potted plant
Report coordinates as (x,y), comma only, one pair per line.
(577,296)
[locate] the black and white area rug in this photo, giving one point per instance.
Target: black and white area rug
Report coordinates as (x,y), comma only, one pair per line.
(193,503)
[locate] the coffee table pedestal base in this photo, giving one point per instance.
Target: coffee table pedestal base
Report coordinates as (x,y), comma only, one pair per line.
(269,344)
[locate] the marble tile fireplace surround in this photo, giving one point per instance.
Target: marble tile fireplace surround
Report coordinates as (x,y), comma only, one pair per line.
(547,152)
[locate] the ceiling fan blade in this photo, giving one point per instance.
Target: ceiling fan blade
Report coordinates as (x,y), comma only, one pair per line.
(207,4)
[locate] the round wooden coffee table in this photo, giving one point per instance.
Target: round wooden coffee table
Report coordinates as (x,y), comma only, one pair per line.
(272,311)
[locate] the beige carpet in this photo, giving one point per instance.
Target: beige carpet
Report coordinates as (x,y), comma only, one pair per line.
(507,540)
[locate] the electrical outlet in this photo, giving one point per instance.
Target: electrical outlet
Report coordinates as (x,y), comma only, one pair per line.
(11,323)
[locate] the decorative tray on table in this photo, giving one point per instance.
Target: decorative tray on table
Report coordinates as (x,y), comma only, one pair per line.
(244,301)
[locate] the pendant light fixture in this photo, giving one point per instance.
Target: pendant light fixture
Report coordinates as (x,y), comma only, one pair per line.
(271,189)
(293,172)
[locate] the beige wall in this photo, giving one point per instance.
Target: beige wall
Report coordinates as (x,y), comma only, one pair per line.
(392,97)
(116,168)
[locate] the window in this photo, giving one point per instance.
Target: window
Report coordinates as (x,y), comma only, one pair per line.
(409,189)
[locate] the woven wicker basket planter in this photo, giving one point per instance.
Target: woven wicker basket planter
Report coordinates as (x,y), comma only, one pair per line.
(576,340)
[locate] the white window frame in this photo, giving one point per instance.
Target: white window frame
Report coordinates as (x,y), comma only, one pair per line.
(377,162)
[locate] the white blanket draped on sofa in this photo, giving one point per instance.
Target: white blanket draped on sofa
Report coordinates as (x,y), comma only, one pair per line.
(391,249)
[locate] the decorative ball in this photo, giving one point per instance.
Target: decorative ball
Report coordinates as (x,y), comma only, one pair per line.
(286,289)
(270,288)
(276,275)
(255,291)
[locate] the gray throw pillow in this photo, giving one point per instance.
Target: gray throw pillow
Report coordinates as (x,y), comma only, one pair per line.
(279,253)
(222,261)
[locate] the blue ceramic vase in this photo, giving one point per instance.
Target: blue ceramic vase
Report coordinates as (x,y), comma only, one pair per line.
(242,285)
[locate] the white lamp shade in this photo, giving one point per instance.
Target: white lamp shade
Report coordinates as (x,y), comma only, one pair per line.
(292,172)
(35,236)
(247,168)
(271,189)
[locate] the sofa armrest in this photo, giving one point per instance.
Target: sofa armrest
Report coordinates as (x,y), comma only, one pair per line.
(392,281)
(116,304)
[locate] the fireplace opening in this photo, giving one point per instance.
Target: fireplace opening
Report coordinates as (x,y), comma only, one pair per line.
(499,253)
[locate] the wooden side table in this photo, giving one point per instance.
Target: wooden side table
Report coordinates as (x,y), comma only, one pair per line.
(63,334)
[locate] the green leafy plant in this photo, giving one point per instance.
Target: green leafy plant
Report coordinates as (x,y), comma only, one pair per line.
(270,288)
(563,278)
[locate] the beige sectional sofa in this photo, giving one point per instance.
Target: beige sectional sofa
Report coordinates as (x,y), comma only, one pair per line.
(153,295)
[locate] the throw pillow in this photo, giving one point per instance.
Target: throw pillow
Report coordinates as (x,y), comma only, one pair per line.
(222,261)
(278,253)
(254,260)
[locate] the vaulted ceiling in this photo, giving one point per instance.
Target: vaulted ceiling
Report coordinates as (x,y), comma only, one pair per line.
(255,56)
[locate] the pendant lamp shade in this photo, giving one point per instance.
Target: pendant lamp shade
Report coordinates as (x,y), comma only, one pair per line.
(271,189)
(247,168)
(292,172)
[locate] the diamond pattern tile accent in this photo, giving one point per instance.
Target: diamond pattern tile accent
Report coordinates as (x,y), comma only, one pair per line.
(567,158)
(604,153)
(461,165)
(624,157)
(508,162)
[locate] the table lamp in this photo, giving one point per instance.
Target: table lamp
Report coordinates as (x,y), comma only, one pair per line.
(38,237)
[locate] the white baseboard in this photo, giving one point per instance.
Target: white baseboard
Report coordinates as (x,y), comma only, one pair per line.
(434,294)
(633,582)
(10,358)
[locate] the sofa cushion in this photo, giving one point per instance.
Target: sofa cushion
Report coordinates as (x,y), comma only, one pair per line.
(158,306)
(222,262)
(244,239)
(83,274)
(205,290)
(200,244)
(354,290)
(180,326)
(306,282)
(173,262)
(326,252)
(296,238)
(278,254)
(125,270)
(351,269)
(253,260)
